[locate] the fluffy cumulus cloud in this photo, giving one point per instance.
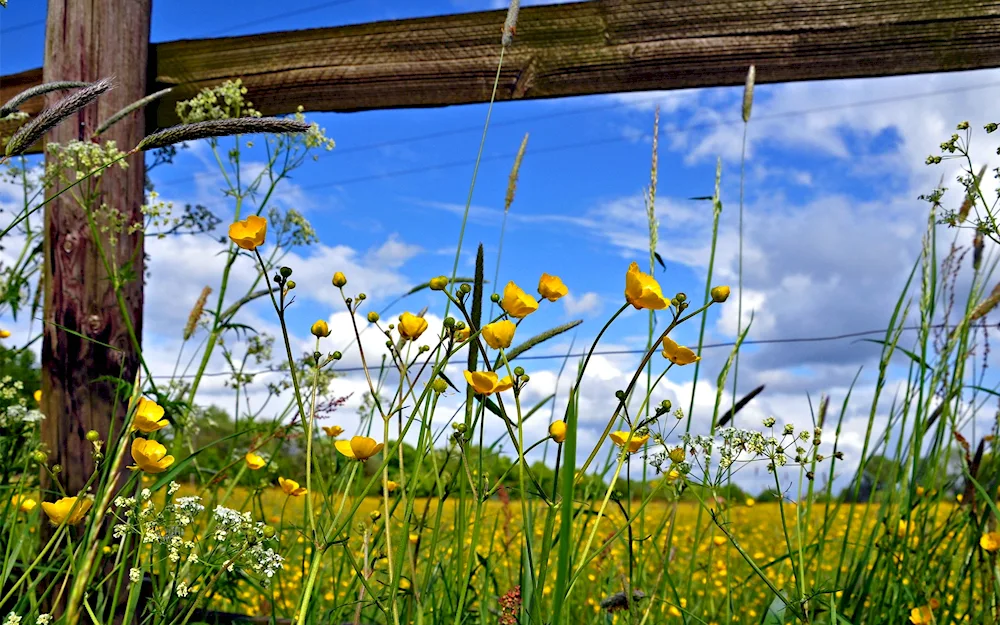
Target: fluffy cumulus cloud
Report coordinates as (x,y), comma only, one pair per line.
(587,304)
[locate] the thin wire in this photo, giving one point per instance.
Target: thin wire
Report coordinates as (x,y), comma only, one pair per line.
(623,352)
(23,26)
(618,138)
(265,20)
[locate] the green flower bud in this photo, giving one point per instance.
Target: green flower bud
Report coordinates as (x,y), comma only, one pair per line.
(439,283)
(93,436)
(373,317)
(285,272)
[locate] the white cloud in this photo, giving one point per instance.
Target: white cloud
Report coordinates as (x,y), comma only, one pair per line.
(586,304)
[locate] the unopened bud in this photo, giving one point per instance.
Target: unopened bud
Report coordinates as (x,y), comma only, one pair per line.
(439,283)
(285,272)
(93,436)
(339,280)
(372,317)
(720,294)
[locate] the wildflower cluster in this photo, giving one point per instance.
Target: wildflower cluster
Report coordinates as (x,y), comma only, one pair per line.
(733,446)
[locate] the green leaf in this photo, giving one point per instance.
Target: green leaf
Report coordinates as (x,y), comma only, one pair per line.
(517,350)
(177,467)
(915,358)
(775,613)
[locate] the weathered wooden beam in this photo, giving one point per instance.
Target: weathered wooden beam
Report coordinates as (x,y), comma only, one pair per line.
(602,46)
(87,40)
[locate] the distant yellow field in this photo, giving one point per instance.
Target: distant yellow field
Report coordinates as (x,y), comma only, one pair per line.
(708,573)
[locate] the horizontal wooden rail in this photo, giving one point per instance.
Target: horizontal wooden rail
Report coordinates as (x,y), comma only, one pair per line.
(602,46)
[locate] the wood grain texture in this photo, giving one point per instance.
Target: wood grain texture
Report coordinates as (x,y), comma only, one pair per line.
(88,40)
(602,46)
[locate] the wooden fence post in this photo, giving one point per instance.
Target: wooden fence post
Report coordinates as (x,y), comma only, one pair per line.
(88,40)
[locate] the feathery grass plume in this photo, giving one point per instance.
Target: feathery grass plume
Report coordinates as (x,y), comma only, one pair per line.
(10,106)
(510,24)
(515,170)
(986,305)
(748,93)
(654,229)
(138,104)
(970,197)
(196,312)
(517,350)
(31,132)
(220,128)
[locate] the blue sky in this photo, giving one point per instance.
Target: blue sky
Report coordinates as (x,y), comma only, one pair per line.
(832,219)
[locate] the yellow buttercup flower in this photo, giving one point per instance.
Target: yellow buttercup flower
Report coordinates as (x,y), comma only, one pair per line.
(411,326)
(333,431)
(922,615)
(38,396)
(148,417)
(633,445)
(359,447)
(291,487)
(557,430)
(150,456)
(4,334)
(750,502)
(642,290)
(391,486)
(516,302)
(23,503)
(551,287)
(990,541)
(254,461)
(499,334)
(462,334)
(719,540)
(59,511)
(249,233)
(487,383)
(320,329)
(677,455)
(920,491)
(678,354)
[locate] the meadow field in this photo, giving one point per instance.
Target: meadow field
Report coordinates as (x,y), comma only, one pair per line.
(410,459)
